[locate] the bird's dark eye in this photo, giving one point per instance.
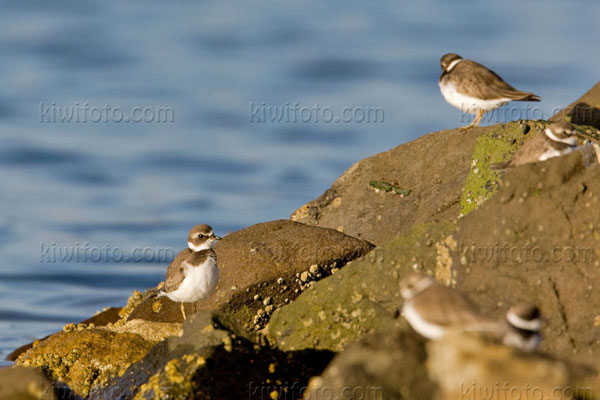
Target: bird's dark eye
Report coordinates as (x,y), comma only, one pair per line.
(200,236)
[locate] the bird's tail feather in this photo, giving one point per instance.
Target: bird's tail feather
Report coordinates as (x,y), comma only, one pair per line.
(517,95)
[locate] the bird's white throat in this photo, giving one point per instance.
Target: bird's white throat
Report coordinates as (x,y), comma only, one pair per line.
(203,246)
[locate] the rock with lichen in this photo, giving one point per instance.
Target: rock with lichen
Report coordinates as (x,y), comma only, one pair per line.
(448,173)
(84,355)
(209,360)
(361,298)
(109,315)
(537,241)
(433,167)
(82,358)
(496,145)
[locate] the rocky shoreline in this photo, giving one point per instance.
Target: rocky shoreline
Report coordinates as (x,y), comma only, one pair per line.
(310,307)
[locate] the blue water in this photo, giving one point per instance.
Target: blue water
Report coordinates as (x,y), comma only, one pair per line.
(131,185)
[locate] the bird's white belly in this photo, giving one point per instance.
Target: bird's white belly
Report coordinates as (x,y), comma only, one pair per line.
(468,104)
(550,153)
(429,330)
(199,282)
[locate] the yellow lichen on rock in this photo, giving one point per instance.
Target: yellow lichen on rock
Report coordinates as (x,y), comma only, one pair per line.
(443,260)
(87,357)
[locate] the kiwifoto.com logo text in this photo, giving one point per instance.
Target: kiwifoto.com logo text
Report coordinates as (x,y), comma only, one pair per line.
(88,253)
(505,252)
(295,113)
(87,113)
(510,113)
(506,391)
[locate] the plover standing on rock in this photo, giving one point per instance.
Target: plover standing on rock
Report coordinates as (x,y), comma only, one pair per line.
(475,89)
(194,274)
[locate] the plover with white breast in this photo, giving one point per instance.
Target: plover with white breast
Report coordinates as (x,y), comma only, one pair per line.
(559,138)
(433,309)
(475,89)
(193,274)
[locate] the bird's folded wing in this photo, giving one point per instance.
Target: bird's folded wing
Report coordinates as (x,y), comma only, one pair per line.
(174,273)
(482,83)
(447,307)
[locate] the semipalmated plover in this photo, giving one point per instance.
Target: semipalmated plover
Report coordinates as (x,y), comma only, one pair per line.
(475,89)
(524,325)
(432,309)
(559,138)
(193,274)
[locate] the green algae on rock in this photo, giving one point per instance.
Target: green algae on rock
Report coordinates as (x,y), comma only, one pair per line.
(361,298)
(389,187)
(496,145)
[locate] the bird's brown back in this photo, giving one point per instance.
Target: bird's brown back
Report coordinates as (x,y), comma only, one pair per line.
(478,81)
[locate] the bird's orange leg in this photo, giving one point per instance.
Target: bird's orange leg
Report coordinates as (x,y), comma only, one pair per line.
(183,311)
(475,122)
(464,128)
(478,118)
